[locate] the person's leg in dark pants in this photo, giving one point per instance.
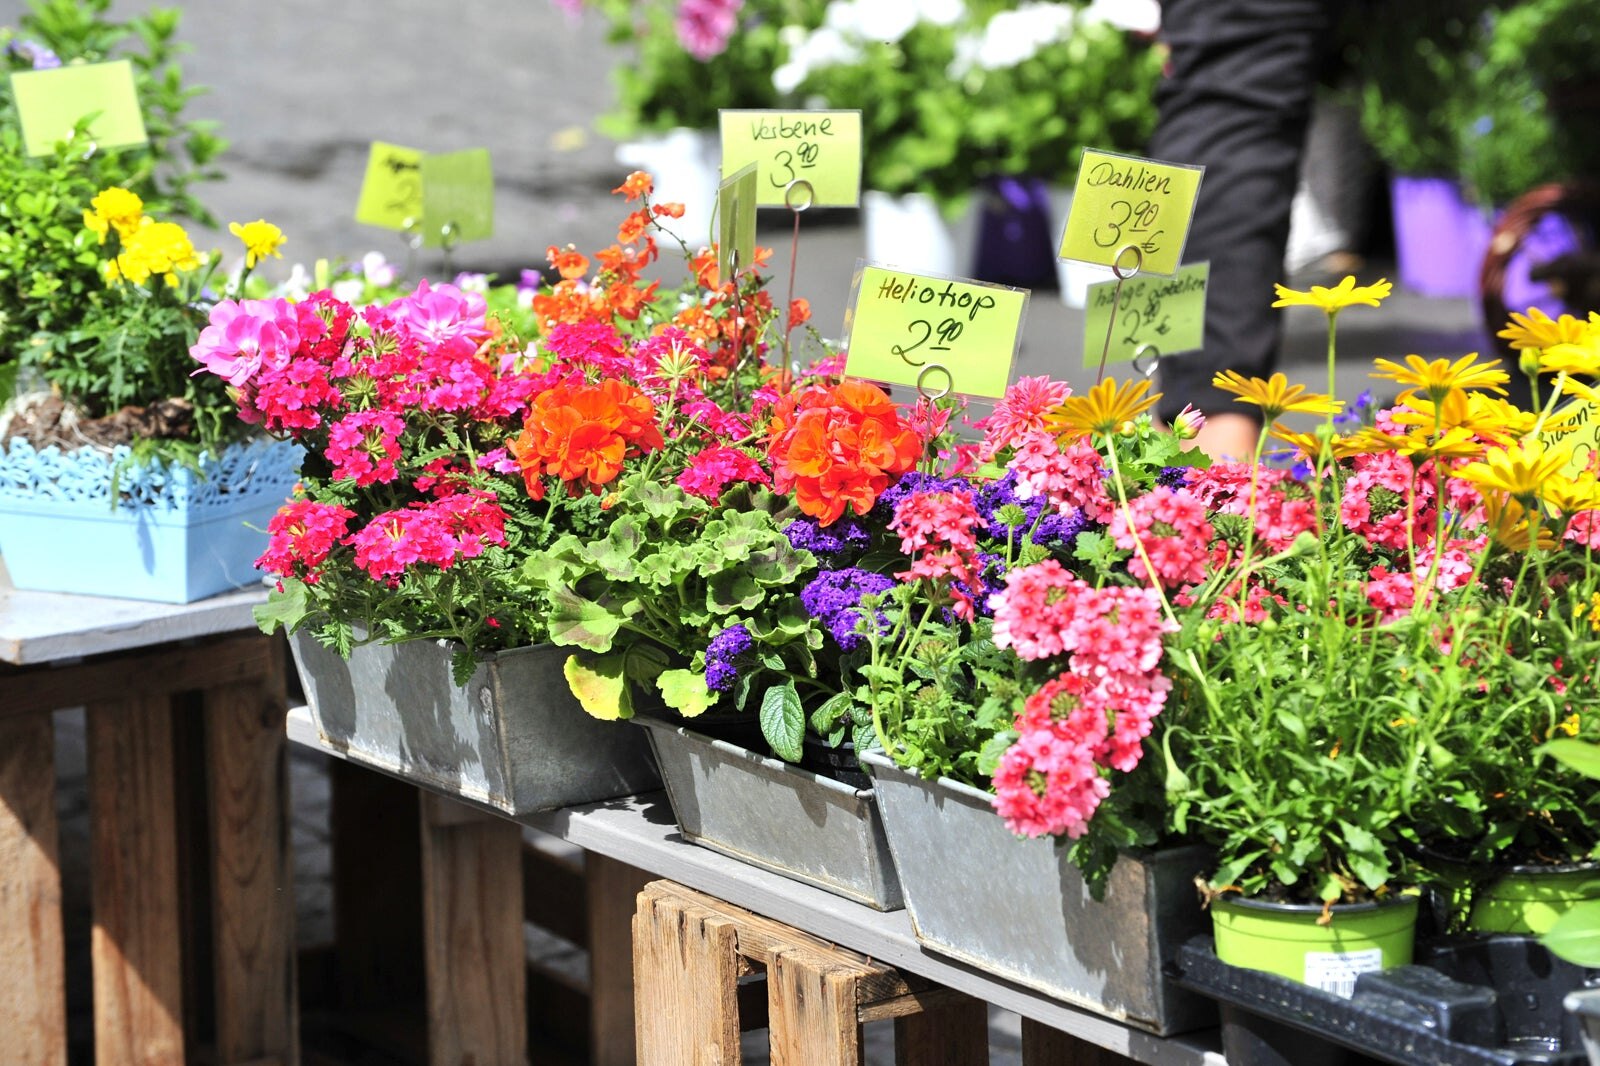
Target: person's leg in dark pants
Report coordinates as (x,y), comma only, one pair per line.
(1237,99)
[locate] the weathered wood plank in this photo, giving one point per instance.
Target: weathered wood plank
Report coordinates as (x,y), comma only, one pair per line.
(33,1003)
(613,891)
(1043,1046)
(811,1010)
(37,627)
(554,894)
(232,660)
(252,876)
(138,1013)
(472,942)
(950,1034)
(685,975)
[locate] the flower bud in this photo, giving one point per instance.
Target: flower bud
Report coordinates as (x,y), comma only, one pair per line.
(1528,362)
(1188,424)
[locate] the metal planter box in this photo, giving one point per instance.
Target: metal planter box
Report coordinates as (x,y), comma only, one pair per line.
(167,534)
(776,816)
(514,738)
(1018,909)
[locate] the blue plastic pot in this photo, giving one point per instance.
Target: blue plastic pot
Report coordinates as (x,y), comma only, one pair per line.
(167,534)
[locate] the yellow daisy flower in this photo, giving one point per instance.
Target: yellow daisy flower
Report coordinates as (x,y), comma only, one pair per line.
(1307,444)
(1453,443)
(1506,522)
(261,239)
(1538,330)
(1103,409)
(1573,495)
(1521,470)
(1581,391)
(1345,294)
(1572,357)
(1438,377)
(1274,395)
(1367,441)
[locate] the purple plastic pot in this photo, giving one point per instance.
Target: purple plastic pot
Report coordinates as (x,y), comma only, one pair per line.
(1554,236)
(1015,234)
(1440,239)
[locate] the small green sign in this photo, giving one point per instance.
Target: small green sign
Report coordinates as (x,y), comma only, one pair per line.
(391,192)
(736,223)
(1584,419)
(457,197)
(51,102)
(822,148)
(1167,314)
(1122,201)
(933,333)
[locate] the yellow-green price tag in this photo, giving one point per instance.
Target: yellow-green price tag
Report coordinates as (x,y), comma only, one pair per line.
(933,333)
(1166,315)
(1123,201)
(457,197)
(391,192)
(1584,419)
(736,223)
(803,158)
(51,102)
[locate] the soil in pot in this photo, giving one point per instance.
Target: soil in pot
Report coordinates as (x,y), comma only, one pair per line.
(838,763)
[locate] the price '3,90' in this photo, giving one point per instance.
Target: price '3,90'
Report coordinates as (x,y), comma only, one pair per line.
(1127,220)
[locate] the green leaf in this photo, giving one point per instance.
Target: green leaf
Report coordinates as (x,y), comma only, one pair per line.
(463,664)
(824,718)
(783,721)
(1575,936)
(643,663)
(617,555)
(1580,755)
(575,621)
(686,692)
(287,608)
(864,737)
(601,685)
(732,590)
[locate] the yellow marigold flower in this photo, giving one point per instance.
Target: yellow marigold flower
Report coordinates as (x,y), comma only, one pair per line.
(1439,377)
(1274,395)
(114,208)
(261,239)
(160,248)
(1507,522)
(1103,409)
(1345,294)
(1522,469)
(1538,330)
(1591,612)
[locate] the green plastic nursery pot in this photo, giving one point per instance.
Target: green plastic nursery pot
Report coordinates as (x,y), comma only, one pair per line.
(1285,939)
(1529,899)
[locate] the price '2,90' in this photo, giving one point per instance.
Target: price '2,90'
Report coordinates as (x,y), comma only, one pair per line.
(945,333)
(1129,219)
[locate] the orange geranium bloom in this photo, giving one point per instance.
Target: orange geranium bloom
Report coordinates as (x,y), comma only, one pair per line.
(635,185)
(569,262)
(840,446)
(582,434)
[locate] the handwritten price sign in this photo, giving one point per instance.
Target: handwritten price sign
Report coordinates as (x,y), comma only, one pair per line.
(736,223)
(1584,418)
(822,148)
(391,191)
(457,197)
(932,333)
(1122,200)
(51,102)
(1167,314)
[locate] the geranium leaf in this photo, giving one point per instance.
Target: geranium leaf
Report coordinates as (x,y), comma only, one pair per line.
(284,608)
(601,685)
(783,721)
(577,622)
(732,590)
(685,692)
(1575,936)
(1580,755)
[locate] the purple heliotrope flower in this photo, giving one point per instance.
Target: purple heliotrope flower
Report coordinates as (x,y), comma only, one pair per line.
(834,598)
(1174,477)
(833,545)
(35,53)
(724,649)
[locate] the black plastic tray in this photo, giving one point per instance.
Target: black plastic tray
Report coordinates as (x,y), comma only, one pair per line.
(1482,1001)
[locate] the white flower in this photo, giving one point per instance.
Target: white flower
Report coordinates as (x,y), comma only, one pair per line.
(887,22)
(298,285)
(377,270)
(941,12)
(1016,36)
(825,47)
(349,290)
(1139,16)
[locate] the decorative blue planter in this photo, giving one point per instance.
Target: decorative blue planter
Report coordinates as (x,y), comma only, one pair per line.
(168,535)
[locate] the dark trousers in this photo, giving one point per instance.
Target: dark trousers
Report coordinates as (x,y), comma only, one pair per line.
(1237,98)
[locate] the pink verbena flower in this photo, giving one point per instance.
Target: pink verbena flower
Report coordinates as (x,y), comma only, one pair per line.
(1047,785)
(1070,477)
(936,529)
(1032,612)
(300,536)
(1375,501)
(363,445)
(711,471)
(1391,594)
(395,540)
(1020,413)
(1172,525)
(1584,530)
(704,26)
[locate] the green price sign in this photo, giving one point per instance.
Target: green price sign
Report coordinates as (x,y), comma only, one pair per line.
(935,334)
(1583,418)
(736,223)
(1164,314)
(391,192)
(819,148)
(1122,201)
(457,197)
(50,103)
